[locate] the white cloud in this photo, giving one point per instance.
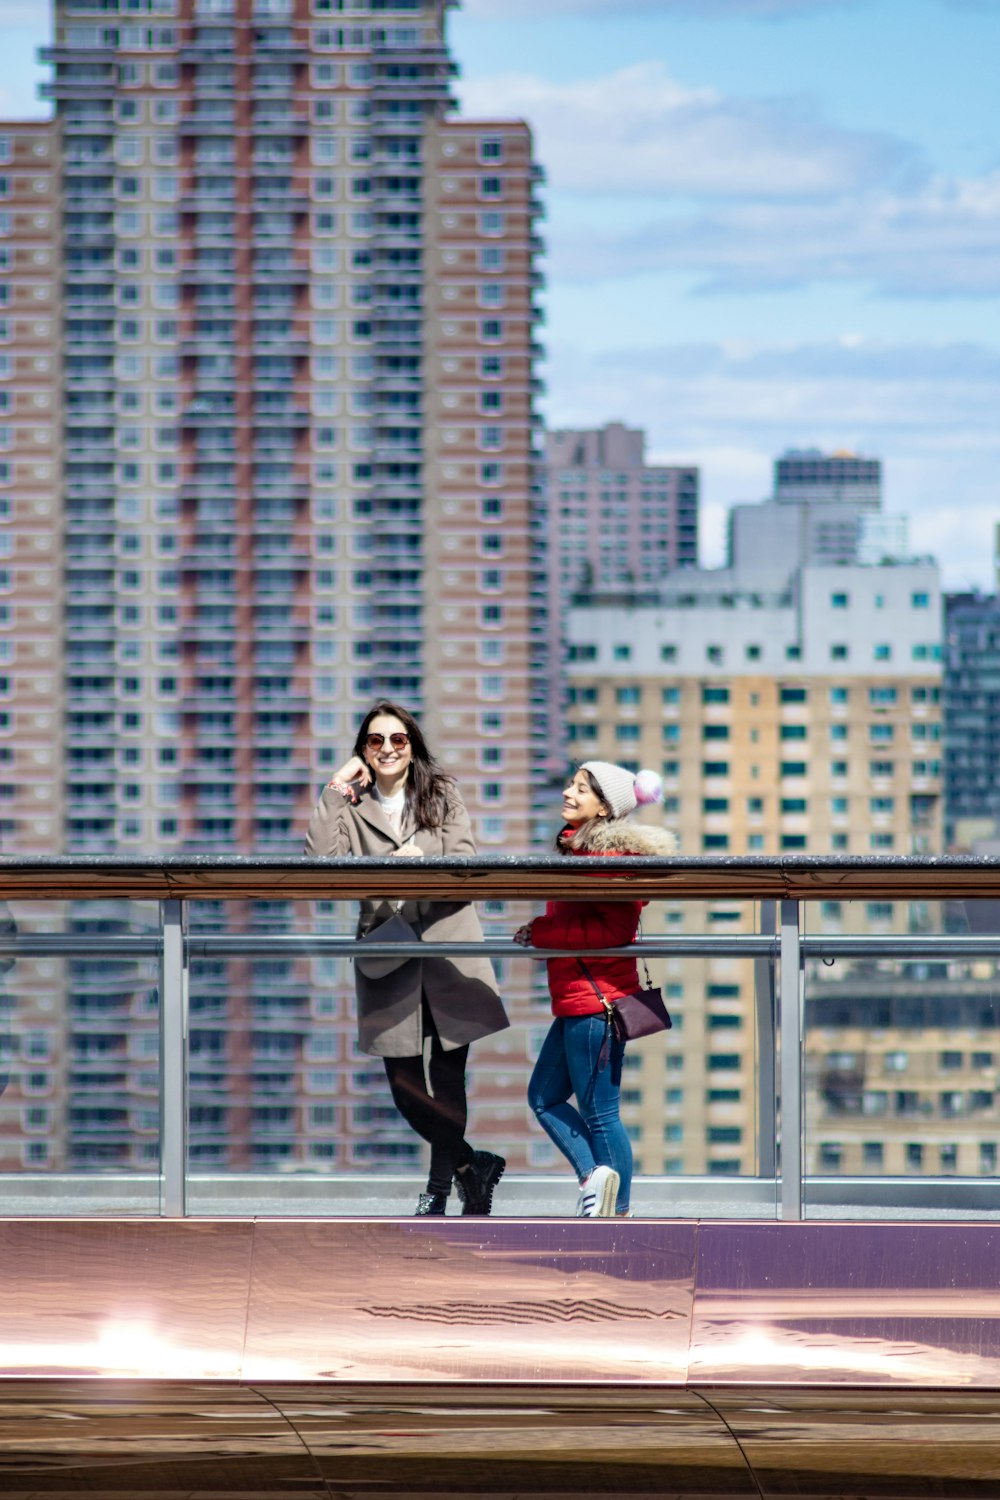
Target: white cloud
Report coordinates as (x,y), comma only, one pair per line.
(937,239)
(929,411)
(638,131)
(711,10)
(755,9)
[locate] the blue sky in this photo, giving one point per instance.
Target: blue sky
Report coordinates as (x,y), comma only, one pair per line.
(770,223)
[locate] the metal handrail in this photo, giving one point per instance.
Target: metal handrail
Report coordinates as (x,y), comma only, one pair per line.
(529,877)
(329,945)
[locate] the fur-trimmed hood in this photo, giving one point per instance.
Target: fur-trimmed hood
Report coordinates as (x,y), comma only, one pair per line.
(622,836)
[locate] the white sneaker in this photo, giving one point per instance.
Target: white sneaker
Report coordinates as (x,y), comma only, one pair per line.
(598,1194)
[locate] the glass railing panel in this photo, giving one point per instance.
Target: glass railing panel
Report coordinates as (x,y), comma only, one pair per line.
(79,1059)
(704,1102)
(285,1111)
(900,1064)
(286,1114)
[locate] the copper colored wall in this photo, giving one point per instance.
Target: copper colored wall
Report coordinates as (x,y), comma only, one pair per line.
(499,1357)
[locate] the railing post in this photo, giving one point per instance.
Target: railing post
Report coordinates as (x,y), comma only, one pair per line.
(791,1062)
(767,1087)
(173,1060)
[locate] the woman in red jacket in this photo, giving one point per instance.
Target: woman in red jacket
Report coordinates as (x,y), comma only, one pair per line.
(580,1055)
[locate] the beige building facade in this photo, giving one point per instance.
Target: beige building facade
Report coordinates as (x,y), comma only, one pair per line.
(806,721)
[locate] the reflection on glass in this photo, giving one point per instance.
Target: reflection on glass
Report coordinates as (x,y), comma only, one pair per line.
(79,1055)
(277,1084)
(902,1054)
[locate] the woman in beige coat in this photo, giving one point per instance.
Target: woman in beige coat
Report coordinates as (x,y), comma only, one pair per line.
(391,798)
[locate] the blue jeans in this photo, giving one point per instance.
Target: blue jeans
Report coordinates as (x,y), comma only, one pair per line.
(592,1134)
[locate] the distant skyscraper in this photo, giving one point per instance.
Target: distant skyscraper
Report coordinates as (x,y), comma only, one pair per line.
(616,522)
(826,508)
(972,716)
(808,474)
(615,525)
(272,453)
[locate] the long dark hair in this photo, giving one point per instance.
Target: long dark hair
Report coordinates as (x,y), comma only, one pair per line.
(427,785)
(569,839)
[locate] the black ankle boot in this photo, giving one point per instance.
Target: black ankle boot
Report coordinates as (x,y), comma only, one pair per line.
(430,1203)
(476,1183)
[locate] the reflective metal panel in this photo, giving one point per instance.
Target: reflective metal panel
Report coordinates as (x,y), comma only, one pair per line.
(853,1304)
(816,1445)
(144,1438)
(518,1440)
(448,1300)
(123,1299)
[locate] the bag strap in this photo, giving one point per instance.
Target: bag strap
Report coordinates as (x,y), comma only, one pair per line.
(608,1005)
(604,1056)
(642,960)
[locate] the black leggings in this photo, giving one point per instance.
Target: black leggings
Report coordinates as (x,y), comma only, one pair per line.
(437,1115)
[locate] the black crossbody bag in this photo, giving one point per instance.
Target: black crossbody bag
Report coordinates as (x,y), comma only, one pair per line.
(636,1015)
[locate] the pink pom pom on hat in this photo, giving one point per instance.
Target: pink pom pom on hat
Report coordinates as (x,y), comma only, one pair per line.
(648,788)
(623,790)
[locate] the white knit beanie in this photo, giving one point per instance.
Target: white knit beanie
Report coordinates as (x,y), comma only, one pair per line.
(622,790)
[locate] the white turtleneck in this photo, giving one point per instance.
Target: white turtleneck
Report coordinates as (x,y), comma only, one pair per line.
(393,808)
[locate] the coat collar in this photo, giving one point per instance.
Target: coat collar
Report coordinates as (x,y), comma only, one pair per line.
(370,810)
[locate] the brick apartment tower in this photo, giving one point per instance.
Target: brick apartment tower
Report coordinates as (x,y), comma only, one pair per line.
(33,1031)
(298,471)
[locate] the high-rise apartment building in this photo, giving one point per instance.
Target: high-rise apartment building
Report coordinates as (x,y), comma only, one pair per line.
(616,523)
(34,758)
(290,300)
(299,358)
(31,538)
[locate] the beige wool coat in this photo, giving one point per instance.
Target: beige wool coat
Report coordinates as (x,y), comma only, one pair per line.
(461,993)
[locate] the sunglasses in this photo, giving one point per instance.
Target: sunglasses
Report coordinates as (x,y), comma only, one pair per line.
(397,741)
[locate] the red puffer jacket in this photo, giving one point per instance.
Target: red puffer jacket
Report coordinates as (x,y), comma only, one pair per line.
(580,925)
